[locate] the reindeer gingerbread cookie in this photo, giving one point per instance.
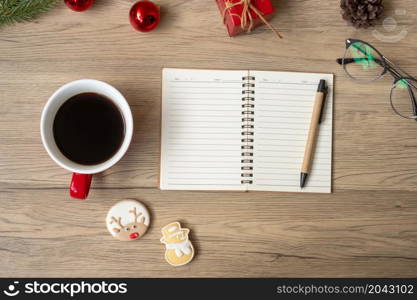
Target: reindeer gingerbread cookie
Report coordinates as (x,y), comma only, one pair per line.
(128,220)
(179,250)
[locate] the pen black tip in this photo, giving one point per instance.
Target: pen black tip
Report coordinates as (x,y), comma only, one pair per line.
(322,86)
(303,179)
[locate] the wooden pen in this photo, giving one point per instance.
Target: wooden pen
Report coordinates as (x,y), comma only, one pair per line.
(316,119)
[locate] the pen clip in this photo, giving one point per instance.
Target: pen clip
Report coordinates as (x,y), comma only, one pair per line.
(324,89)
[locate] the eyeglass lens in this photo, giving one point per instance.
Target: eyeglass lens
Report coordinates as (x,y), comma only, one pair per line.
(403,98)
(362,62)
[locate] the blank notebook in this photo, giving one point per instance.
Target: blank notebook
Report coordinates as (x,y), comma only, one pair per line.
(242,131)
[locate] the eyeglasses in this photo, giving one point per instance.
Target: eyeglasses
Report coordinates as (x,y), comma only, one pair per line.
(364,64)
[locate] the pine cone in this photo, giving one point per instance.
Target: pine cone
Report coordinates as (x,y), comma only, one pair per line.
(361,13)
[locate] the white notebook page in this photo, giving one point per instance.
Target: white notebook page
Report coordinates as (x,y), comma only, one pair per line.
(201,130)
(283,108)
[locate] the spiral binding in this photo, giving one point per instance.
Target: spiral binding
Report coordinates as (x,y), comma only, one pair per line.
(248,100)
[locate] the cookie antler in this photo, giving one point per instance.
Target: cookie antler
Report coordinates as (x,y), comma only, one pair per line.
(137,215)
(118,221)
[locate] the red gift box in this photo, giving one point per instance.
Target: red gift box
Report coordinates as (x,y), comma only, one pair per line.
(233,15)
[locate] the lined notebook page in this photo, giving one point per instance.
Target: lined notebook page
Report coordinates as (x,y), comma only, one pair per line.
(283,108)
(201,130)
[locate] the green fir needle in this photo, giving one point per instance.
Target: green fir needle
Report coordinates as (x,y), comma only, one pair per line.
(12,11)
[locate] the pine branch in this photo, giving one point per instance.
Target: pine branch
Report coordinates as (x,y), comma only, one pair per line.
(12,11)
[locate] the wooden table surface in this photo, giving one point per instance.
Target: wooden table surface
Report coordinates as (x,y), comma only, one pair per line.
(366,227)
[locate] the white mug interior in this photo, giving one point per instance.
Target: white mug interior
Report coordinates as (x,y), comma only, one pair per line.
(62,95)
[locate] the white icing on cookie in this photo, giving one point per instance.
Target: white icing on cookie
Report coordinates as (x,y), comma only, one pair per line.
(180,248)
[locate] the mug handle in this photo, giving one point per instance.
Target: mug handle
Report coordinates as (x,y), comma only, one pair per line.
(80,185)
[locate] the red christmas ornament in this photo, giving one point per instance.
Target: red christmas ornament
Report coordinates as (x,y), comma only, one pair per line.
(144,15)
(79,5)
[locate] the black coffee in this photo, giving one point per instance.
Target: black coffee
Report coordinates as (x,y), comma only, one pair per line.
(89,128)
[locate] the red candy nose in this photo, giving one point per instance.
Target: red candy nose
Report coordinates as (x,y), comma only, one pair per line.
(134,235)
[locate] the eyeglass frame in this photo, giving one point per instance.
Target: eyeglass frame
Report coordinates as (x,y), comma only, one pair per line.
(389,67)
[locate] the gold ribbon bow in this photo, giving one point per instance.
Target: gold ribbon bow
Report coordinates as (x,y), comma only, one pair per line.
(246,20)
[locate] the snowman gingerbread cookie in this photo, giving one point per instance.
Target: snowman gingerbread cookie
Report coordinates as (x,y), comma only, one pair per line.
(178,248)
(128,220)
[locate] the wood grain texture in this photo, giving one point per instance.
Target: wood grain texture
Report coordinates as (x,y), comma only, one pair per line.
(367,227)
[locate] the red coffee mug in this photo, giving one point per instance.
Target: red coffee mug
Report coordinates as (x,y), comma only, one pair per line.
(83,174)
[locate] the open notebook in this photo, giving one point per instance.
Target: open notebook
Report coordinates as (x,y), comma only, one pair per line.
(242,130)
